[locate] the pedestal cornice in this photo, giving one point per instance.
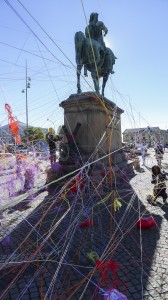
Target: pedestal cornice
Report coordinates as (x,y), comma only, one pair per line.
(90,99)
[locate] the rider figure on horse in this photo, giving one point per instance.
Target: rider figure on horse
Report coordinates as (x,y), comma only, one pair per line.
(95,30)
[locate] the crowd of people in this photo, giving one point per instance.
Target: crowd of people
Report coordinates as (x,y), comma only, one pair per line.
(159,151)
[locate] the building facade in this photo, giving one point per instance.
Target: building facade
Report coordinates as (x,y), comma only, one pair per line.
(150,135)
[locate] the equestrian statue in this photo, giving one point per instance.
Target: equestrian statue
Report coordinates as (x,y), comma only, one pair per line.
(92,53)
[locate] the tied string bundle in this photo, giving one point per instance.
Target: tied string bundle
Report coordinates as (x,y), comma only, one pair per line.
(106,269)
(114,295)
(77,184)
(13,124)
(30,174)
(86,223)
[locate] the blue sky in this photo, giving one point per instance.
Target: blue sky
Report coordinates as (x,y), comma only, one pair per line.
(137,34)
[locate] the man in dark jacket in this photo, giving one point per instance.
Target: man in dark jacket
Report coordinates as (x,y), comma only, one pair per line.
(52,146)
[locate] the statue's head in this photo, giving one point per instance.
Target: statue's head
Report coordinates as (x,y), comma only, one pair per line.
(93,17)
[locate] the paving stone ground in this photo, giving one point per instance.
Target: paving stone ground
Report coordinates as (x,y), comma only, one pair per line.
(47,252)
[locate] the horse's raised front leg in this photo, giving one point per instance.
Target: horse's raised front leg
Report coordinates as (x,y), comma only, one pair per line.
(78,72)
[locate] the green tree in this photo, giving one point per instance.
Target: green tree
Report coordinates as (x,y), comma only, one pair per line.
(33,134)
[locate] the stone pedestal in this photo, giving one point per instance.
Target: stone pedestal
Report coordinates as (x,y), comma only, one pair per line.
(100,120)
(92,130)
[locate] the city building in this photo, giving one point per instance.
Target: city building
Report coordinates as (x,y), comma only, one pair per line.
(148,134)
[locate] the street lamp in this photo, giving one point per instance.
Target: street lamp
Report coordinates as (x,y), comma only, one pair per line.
(28,79)
(52,123)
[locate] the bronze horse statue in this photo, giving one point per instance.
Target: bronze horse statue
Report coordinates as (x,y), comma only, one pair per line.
(89,54)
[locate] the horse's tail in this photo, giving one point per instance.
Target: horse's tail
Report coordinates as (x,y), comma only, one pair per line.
(109,60)
(79,39)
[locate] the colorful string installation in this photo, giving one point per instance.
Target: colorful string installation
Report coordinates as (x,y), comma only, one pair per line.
(84,205)
(146,223)
(114,295)
(77,242)
(49,238)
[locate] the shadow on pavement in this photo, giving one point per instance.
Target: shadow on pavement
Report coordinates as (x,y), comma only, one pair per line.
(164,208)
(50,250)
(24,204)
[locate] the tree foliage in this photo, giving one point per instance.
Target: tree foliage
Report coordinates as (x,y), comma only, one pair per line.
(34,134)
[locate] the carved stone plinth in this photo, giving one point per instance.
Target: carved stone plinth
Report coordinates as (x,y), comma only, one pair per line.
(100,130)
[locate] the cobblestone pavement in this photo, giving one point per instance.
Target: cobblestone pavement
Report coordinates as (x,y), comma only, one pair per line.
(47,252)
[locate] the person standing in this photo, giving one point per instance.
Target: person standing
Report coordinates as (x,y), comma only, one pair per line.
(143,153)
(159,153)
(51,140)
